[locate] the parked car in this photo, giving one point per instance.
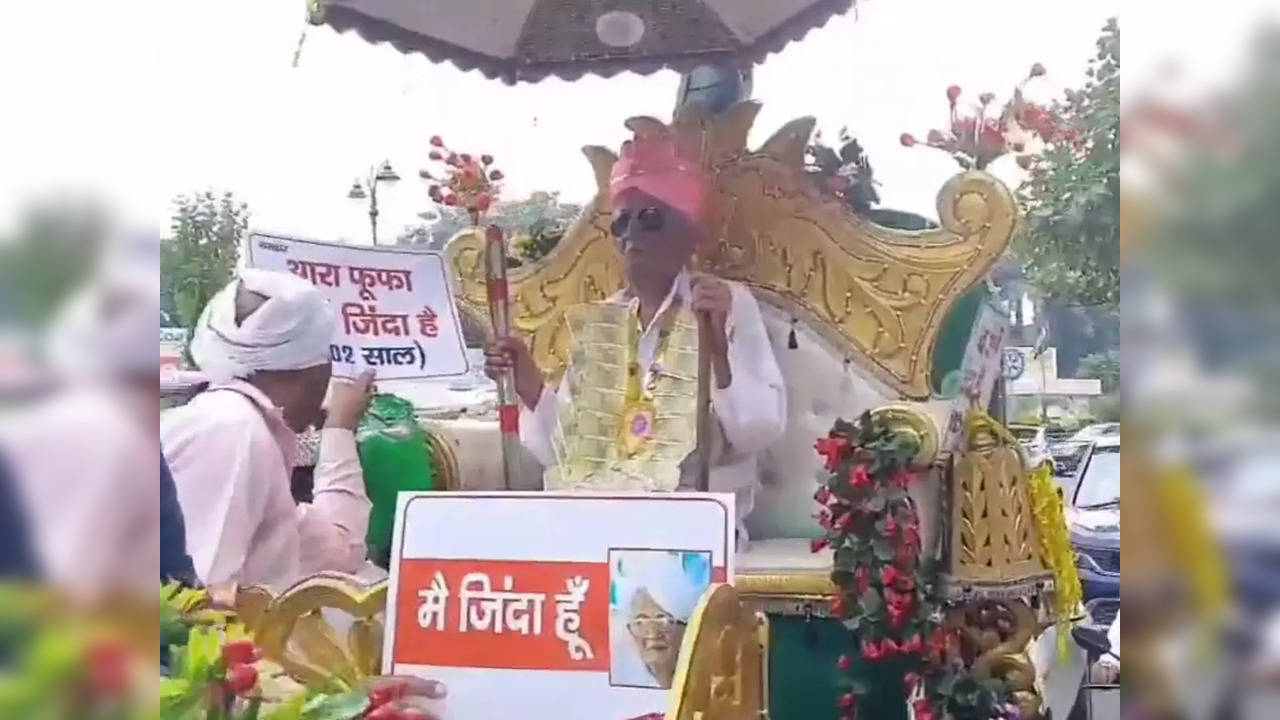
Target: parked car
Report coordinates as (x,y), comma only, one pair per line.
(1035,444)
(1068,461)
(1098,431)
(1093,518)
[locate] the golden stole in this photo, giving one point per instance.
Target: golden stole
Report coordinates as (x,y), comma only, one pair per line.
(595,450)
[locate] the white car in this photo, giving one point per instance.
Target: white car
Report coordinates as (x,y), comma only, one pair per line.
(1098,431)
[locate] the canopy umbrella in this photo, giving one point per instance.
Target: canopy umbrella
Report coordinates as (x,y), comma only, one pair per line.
(528,40)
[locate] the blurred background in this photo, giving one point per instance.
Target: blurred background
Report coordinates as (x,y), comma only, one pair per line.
(1191,293)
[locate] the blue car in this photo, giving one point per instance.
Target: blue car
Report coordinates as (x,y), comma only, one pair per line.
(1094,520)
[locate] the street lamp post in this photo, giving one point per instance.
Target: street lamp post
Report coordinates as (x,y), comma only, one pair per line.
(369,189)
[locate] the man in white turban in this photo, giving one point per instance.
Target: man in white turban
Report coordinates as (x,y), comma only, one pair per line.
(654,594)
(263,341)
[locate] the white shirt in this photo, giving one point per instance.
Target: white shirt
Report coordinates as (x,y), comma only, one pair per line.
(750,413)
(232,455)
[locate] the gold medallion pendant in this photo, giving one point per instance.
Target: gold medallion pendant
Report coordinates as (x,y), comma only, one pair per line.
(636,429)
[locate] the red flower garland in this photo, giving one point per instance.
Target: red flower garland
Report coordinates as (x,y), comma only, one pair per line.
(870,522)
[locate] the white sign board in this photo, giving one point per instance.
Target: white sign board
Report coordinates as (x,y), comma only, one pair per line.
(551,605)
(979,370)
(395,312)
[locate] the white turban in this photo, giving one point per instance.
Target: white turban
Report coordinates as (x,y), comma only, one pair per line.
(675,580)
(111,325)
(291,330)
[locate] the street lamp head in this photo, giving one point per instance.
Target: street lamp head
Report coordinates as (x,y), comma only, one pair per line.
(357,191)
(386,174)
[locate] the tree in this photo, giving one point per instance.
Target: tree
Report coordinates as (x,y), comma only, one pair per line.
(1104,366)
(51,252)
(535,224)
(200,254)
(1070,244)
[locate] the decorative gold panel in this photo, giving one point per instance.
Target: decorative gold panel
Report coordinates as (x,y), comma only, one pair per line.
(997,634)
(879,295)
(994,544)
(720,675)
(294,633)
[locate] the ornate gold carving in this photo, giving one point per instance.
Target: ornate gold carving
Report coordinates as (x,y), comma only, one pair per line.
(294,633)
(789,585)
(997,635)
(994,541)
(902,417)
(721,670)
(879,295)
(444,460)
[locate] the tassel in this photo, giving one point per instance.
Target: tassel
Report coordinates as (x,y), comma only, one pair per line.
(791,337)
(846,383)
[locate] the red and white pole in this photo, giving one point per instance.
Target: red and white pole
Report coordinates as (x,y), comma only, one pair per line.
(495,262)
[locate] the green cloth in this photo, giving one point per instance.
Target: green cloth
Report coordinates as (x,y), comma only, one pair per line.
(804,682)
(396,458)
(953,336)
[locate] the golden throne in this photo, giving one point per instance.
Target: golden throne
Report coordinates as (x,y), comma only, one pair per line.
(865,305)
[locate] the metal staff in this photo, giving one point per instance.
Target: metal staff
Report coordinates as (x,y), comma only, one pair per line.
(704,403)
(495,264)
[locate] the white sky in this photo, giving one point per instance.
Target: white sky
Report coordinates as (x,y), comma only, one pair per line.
(139,100)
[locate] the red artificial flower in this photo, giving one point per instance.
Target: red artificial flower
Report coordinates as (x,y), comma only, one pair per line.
(107,669)
(450,200)
(890,526)
(986,98)
(923,710)
(437,141)
(964,128)
(889,647)
(242,679)
(848,700)
(911,681)
(870,651)
(482,203)
(896,616)
(466,158)
(859,477)
(816,545)
(453,160)
(837,605)
(831,448)
(435,155)
(903,478)
(991,140)
(486,159)
(823,495)
(953,94)
(844,521)
(1037,70)
(496,175)
(824,519)
(907,140)
(844,662)
(890,576)
(241,652)
(915,645)
(936,137)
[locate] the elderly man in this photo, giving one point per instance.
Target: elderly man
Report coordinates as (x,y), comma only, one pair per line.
(624,416)
(264,343)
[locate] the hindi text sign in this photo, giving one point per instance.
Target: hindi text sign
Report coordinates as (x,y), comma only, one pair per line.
(570,603)
(979,371)
(394,310)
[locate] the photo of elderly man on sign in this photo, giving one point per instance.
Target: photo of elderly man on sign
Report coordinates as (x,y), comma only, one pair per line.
(652,595)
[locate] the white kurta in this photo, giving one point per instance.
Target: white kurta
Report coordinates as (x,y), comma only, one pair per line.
(750,413)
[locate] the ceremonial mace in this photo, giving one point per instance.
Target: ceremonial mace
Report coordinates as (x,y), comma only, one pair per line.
(495,264)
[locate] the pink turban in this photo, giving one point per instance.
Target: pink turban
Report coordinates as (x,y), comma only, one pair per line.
(654,165)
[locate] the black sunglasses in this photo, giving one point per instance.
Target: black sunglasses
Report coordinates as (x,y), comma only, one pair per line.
(648,219)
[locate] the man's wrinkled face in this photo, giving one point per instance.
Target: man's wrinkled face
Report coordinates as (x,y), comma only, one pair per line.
(657,634)
(654,238)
